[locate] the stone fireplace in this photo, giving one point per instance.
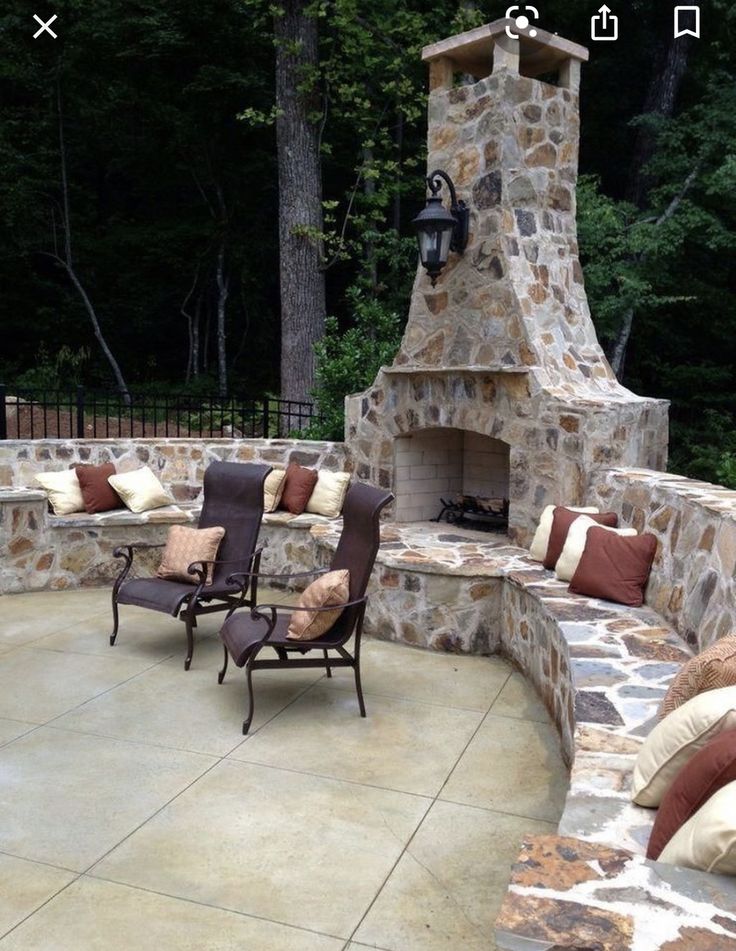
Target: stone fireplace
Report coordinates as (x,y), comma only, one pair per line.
(442,463)
(504,348)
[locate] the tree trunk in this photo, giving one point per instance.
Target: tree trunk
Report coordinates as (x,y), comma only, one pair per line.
(223,289)
(399,142)
(369,190)
(668,71)
(67,262)
(302,280)
(195,335)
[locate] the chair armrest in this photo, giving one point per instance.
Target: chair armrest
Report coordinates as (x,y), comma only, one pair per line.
(126,551)
(256,612)
(234,578)
(195,569)
(326,607)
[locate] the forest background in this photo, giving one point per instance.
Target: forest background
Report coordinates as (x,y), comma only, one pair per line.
(157,156)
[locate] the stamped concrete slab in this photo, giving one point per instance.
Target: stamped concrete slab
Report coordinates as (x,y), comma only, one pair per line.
(511,766)
(69,798)
(389,669)
(24,887)
(448,886)
(92,915)
(296,849)
(38,685)
(400,745)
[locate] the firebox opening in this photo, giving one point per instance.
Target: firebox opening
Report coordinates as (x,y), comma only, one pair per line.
(436,464)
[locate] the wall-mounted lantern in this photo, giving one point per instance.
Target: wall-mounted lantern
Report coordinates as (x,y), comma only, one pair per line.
(440,231)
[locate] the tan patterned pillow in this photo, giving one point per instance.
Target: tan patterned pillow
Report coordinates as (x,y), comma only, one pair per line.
(713,668)
(273,489)
(330,588)
(186,545)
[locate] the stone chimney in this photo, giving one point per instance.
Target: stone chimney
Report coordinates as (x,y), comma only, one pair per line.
(500,385)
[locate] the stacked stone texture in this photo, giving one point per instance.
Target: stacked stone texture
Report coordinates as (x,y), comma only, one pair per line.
(504,345)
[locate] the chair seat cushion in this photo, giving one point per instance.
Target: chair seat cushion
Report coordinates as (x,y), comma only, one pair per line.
(242,632)
(158,594)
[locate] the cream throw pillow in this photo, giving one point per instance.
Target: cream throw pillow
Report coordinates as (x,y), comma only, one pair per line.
(186,545)
(273,489)
(329,494)
(140,490)
(64,492)
(540,541)
(330,588)
(577,535)
(674,740)
(707,840)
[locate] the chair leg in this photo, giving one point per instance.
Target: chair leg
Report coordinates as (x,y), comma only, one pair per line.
(188,623)
(327,664)
(115,620)
(221,673)
(249,687)
(358,686)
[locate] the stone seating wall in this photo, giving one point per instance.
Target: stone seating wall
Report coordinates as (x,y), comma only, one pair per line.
(39,550)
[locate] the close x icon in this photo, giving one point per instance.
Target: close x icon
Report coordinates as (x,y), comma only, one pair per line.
(45,27)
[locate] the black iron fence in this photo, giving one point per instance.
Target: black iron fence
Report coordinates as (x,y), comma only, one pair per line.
(81,413)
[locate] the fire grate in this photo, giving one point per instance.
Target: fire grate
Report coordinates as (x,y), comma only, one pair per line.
(488,515)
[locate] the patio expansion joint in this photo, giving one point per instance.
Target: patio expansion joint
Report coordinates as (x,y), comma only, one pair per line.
(434,799)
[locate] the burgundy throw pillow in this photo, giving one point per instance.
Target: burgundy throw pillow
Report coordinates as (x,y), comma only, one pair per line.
(704,774)
(97,493)
(298,487)
(614,567)
(562,519)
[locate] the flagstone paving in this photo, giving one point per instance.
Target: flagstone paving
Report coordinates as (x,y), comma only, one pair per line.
(134,814)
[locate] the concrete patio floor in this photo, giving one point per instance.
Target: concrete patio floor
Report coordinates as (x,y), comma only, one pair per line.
(133,813)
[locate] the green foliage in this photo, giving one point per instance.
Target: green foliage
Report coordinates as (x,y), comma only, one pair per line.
(348,362)
(63,371)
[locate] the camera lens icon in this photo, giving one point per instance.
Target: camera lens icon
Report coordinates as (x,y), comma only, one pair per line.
(521,20)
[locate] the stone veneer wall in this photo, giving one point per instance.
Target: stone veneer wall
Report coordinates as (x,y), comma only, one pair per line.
(693,582)
(40,551)
(179,463)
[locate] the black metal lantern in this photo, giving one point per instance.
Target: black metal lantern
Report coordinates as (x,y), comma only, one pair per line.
(440,231)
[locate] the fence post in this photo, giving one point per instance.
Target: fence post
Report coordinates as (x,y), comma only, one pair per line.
(80,412)
(265,417)
(3,411)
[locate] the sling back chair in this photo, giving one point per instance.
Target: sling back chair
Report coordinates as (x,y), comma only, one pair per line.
(233,499)
(245,633)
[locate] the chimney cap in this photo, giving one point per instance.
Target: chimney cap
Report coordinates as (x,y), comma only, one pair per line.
(472,52)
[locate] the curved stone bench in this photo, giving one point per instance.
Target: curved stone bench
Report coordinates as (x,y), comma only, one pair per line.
(601,670)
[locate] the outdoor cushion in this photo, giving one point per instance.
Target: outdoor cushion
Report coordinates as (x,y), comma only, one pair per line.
(676,739)
(329,493)
(63,490)
(615,568)
(330,588)
(540,542)
(713,668)
(140,490)
(577,535)
(98,494)
(186,545)
(562,519)
(707,841)
(273,488)
(300,483)
(708,771)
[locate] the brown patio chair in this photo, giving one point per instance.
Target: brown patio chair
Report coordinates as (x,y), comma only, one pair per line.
(233,499)
(246,633)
